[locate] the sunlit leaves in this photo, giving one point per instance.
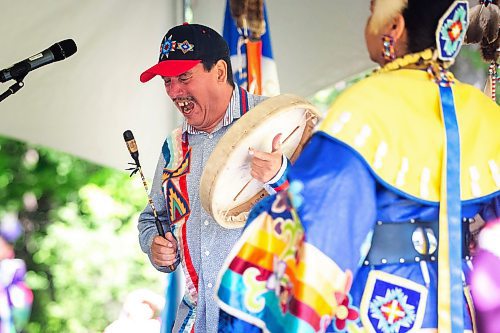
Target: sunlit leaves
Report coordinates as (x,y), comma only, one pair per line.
(80,242)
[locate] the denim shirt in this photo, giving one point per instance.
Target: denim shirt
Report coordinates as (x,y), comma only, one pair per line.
(207,242)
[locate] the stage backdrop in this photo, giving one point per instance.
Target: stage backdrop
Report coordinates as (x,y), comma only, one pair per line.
(83,104)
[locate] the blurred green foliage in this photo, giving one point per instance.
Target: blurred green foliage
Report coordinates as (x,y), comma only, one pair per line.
(323,99)
(80,242)
(472,54)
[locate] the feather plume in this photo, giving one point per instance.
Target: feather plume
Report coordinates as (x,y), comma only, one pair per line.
(491,29)
(249,14)
(239,10)
(490,51)
(255,17)
(484,29)
(475,30)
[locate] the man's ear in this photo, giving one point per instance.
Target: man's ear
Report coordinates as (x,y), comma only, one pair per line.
(221,68)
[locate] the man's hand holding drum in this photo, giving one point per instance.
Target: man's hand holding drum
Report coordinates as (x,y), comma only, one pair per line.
(266,165)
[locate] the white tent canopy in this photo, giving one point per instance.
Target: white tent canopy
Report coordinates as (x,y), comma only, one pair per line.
(83,104)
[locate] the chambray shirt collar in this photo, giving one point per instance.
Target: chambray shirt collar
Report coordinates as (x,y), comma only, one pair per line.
(233,112)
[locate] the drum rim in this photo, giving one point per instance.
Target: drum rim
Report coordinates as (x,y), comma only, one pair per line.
(234,134)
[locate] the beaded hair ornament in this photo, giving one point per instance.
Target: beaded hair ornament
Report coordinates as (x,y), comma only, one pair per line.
(450,35)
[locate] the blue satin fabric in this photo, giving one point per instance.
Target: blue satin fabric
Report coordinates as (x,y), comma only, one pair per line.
(454,212)
(342,200)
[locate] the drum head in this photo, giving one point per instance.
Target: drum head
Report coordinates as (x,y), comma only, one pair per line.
(228,191)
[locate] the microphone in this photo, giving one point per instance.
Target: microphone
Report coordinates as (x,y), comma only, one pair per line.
(132,146)
(56,52)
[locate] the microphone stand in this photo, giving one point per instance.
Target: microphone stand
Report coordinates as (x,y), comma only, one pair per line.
(13,88)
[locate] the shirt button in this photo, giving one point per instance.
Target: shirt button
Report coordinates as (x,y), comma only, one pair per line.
(210,136)
(206,222)
(207,253)
(209,285)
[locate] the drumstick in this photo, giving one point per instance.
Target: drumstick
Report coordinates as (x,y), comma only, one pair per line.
(134,152)
(308,116)
(289,135)
(243,188)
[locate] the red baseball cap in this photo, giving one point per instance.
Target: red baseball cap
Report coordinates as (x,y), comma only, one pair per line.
(185,46)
